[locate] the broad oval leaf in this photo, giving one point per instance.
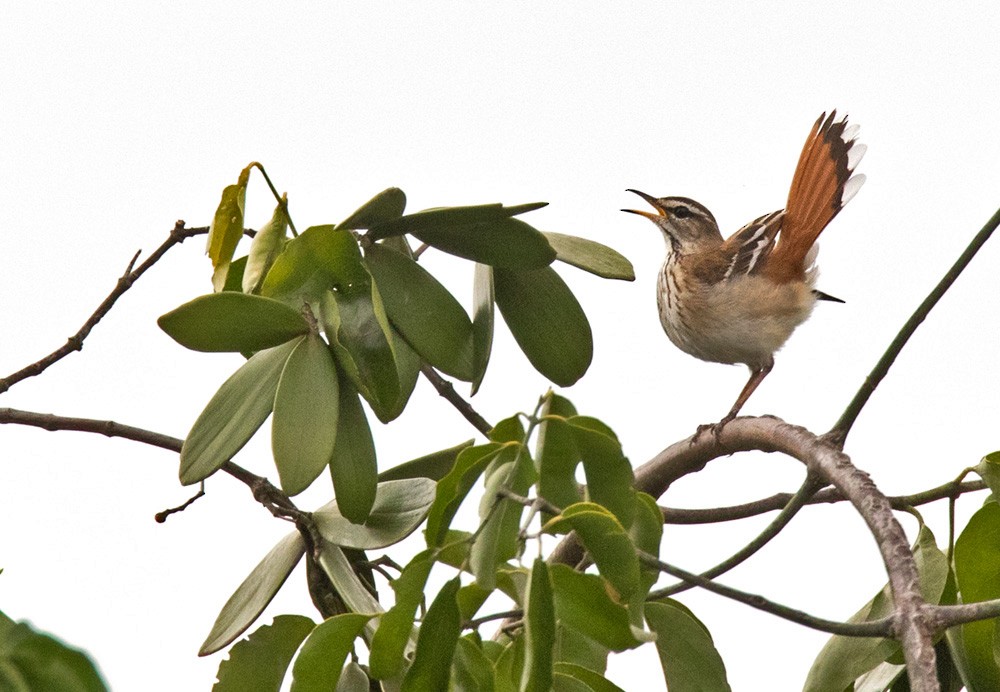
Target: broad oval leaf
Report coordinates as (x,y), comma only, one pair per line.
(482,323)
(399,508)
(591,256)
(353,465)
(320,661)
(424,312)
(252,596)
(306,407)
(233,415)
(436,643)
(385,206)
(441,217)
(583,604)
(396,626)
(610,480)
(547,322)
(226,228)
(556,453)
(977,572)
(321,258)
(360,336)
(688,656)
(407,367)
(500,242)
(259,662)
(265,248)
(230,321)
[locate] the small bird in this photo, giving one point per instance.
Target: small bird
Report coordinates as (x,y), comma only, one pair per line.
(738,300)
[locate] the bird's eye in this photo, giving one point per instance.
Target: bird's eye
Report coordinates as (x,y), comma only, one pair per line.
(681,212)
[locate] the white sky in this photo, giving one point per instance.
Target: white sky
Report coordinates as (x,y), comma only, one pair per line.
(117,119)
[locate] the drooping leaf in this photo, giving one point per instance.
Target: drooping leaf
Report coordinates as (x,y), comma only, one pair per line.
(424,312)
(556,453)
(610,480)
(342,575)
(583,604)
(605,540)
(547,322)
(358,330)
(539,631)
(444,217)
(319,663)
(471,670)
(226,228)
(591,256)
(843,659)
(453,488)
(306,408)
(646,533)
(32,660)
(265,248)
(252,596)
(353,465)
(230,321)
(234,414)
(383,207)
(400,507)
(407,367)
(320,259)
(435,465)
(396,625)
(977,573)
(688,656)
(482,323)
(259,662)
(436,643)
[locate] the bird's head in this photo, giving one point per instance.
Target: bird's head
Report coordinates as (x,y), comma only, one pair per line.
(686,225)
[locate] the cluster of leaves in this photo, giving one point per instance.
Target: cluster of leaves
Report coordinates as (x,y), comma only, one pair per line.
(32,660)
(382,316)
(568,621)
(968,655)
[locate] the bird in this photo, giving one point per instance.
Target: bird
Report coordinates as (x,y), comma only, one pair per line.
(738,300)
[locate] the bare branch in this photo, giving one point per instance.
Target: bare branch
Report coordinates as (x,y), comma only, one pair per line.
(447,390)
(838,434)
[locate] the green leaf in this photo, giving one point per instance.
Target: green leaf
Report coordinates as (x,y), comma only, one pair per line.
(482,323)
(843,659)
(32,660)
(234,277)
(265,248)
(610,480)
(578,649)
(396,625)
(583,603)
(646,533)
(471,670)
(567,683)
(436,643)
(539,631)
(317,667)
(594,681)
(234,322)
(304,426)
(259,662)
(234,414)
(408,367)
(444,217)
(547,322)
(424,312)
(252,596)
(345,580)
(399,508)
(385,206)
(435,465)
(977,572)
(359,334)
(353,465)
(509,243)
(453,488)
(498,538)
(556,452)
(591,256)
(989,470)
(607,542)
(353,679)
(320,259)
(226,229)
(689,658)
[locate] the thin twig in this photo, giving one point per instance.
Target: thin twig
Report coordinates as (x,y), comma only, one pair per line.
(447,390)
(838,434)
(161,517)
(75,343)
(716,515)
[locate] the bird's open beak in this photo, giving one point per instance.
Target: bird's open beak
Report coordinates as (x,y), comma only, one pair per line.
(653,202)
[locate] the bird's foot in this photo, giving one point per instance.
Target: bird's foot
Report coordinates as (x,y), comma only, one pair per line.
(714,428)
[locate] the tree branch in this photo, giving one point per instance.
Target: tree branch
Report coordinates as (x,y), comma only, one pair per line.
(838,434)
(447,390)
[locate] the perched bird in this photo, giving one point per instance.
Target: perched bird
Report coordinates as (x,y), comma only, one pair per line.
(738,300)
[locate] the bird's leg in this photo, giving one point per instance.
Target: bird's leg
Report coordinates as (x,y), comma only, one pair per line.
(757,376)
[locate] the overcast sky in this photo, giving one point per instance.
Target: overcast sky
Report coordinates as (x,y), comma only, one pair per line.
(117,119)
